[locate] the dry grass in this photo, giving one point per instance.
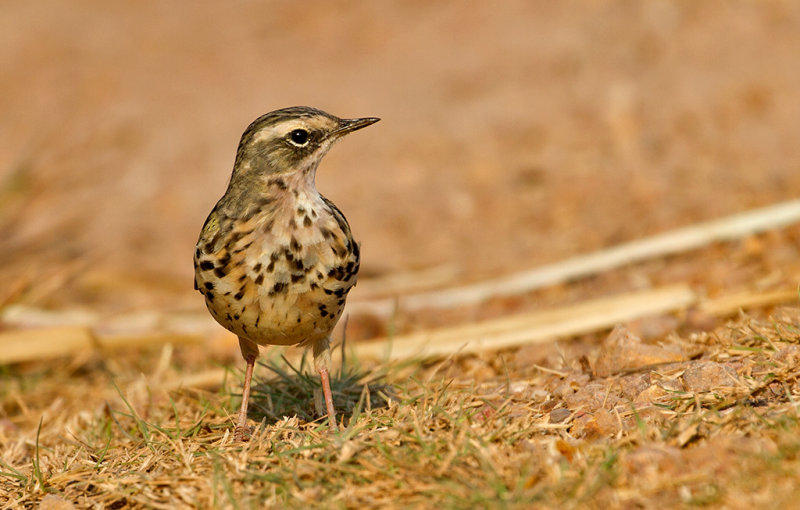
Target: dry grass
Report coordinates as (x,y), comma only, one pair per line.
(718,429)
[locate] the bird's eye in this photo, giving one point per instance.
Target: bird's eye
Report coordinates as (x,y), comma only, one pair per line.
(299,137)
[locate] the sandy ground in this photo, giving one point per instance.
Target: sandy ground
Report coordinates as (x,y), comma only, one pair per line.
(512,136)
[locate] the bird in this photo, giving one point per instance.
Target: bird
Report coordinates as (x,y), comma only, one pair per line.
(275,259)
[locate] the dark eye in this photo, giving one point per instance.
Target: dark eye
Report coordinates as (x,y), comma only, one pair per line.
(299,136)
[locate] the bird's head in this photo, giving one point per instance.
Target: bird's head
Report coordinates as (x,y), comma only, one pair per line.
(291,140)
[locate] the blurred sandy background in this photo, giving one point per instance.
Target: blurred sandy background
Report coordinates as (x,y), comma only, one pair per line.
(513,134)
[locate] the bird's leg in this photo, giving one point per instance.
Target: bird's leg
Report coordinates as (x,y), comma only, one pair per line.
(322,360)
(249,353)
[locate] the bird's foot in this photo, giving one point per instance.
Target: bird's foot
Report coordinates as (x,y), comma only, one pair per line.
(242,433)
(334,427)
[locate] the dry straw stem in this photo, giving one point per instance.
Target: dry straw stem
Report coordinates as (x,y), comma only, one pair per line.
(535,327)
(31,344)
(668,243)
(44,343)
(567,321)
(732,303)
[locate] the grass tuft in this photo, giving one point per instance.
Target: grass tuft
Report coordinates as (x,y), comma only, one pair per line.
(291,393)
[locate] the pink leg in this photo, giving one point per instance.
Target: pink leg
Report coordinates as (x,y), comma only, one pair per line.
(250,353)
(326,391)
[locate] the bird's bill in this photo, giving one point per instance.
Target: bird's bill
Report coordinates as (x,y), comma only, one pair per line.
(350,125)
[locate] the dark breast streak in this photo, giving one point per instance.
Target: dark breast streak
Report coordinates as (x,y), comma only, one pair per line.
(282,276)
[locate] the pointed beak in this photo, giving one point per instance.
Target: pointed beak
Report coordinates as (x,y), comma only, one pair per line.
(350,125)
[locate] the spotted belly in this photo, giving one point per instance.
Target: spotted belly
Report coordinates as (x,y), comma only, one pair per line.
(280,296)
(296,315)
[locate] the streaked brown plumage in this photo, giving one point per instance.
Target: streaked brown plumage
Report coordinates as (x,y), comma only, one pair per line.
(275,259)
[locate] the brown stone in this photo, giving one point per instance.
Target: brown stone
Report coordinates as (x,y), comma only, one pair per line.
(623,351)
(559,415)
(600,423)
(707,375)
